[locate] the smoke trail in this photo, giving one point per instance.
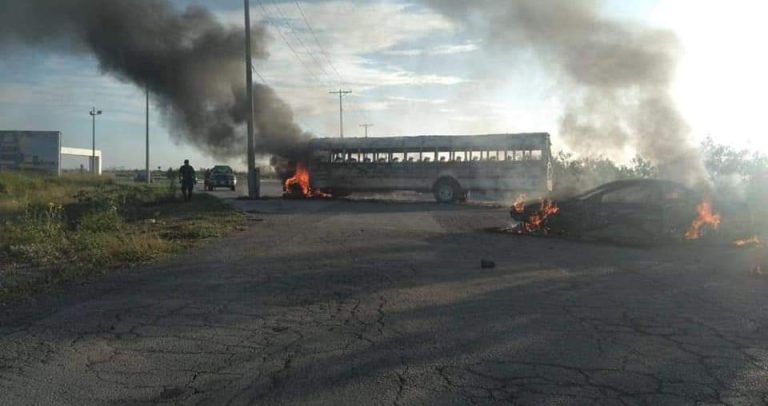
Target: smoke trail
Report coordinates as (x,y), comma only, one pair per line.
(618,75)
(191,62)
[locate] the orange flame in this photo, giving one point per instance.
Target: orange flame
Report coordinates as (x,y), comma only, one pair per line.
(706,218)
(301,178)
(519,204)
(749,241)
(536,221)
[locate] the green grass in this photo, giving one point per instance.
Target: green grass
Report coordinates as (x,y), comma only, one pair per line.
(55,229)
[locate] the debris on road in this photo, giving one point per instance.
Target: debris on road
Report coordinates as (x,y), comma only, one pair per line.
(486,264)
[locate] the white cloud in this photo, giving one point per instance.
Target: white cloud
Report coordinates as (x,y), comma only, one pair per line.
(446,49)
(454,49)
(722,77)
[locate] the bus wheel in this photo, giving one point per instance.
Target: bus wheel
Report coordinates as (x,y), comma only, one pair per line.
(447,191)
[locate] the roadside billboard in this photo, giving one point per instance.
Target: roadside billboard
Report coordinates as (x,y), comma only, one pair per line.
(36,151)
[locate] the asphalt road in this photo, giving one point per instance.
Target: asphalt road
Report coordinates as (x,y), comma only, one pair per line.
(273,188)
(365,302)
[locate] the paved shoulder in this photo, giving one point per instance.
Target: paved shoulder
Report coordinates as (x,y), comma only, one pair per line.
(372,303)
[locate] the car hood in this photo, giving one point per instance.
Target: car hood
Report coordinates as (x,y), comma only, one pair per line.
(566,205)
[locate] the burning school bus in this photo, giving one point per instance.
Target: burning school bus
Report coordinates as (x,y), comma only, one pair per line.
(448,166)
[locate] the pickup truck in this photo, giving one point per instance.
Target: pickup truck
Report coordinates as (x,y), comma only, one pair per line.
(220,176)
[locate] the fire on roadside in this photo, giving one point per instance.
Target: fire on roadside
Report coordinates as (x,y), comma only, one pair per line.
(706,218)
(536,222)
(299,184)
(519,205)
(754,241)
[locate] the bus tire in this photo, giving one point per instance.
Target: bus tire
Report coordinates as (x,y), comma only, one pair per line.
(447,190)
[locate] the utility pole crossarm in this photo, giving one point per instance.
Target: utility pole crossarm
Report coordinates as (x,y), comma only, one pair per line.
(341,94)
(366,126)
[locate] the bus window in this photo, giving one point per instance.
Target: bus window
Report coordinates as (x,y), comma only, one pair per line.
(493,155)
(398,157)
(443,156)
(338,157)
(412,156)
(510,155)
(427,156)
(536,155)
(368,157)
(460,156)
(475,155)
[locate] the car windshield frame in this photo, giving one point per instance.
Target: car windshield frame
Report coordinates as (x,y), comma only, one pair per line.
(595,191)
(221,169)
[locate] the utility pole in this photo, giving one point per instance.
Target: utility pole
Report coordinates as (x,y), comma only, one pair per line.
(366,126)
(341,94)
(253,176)
(149,173)
(94,113)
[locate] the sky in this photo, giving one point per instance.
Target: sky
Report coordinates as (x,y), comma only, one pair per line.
(411,70)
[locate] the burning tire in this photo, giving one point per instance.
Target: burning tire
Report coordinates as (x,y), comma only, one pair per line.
(447,190)
(294,191)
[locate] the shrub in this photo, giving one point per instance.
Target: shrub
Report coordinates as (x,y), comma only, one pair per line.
(100,221)
(39,237)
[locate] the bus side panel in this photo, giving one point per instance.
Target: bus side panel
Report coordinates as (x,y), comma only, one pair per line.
(510,176)
(377,176)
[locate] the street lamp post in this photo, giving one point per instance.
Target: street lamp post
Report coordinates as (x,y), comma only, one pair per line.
(94,113)
(149,173)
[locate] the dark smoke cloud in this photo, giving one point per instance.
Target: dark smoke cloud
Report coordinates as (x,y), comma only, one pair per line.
(192,64)
(617,75)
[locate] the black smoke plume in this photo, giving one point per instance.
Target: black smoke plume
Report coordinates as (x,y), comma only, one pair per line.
(616,75)
(192,64)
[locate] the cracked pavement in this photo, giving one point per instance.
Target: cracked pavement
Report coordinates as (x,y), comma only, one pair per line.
(366,302)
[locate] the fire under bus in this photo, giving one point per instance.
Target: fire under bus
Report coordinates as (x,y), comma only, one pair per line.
(448,166)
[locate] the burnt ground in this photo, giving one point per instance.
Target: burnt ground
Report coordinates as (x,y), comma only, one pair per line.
(344,302)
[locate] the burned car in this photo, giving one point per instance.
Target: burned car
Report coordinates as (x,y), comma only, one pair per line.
(636,210)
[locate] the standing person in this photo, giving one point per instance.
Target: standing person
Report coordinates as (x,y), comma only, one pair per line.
(187,178)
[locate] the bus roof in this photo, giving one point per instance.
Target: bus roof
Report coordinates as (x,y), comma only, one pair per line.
(455,142)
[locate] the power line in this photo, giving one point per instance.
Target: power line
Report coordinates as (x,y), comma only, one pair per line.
(327,58)
(293,50)
(286,22)
(253,67)
(317,41)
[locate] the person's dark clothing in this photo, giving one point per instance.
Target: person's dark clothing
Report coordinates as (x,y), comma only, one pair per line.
(187,177)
